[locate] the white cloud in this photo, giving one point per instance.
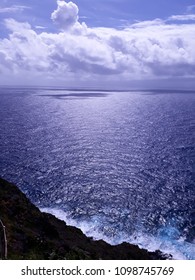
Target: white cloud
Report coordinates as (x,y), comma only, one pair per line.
(182,17)
(147,23)
(143,51)
(24,50)
(13,9)
(40,27)
(16,26)
(66,14)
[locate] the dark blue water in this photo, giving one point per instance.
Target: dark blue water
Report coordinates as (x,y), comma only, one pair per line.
(121,165)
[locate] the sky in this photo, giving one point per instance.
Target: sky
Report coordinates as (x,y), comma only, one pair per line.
(102,44)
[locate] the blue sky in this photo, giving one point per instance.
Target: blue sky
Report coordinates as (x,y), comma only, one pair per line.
(97,13)
(129,42)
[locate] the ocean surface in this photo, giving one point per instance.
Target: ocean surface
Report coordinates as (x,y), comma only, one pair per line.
(118,164)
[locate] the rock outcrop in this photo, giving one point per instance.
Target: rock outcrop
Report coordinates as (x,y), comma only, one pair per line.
(32,234)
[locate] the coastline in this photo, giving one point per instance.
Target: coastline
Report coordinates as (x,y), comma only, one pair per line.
(32,234)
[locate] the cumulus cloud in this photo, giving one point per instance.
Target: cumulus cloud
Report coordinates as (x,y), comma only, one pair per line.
(24,50)
(16,26)
(143,51)
(66,14)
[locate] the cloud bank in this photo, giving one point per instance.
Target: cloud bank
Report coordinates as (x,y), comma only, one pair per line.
(144,51)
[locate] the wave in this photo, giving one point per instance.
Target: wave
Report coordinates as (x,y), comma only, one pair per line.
(167,239)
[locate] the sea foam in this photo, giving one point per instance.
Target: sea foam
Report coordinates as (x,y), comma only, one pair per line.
(178,248)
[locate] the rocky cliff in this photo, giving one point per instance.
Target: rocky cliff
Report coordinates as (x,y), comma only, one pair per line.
(32,234)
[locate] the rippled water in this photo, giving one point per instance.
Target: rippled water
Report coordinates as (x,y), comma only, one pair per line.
(118,164)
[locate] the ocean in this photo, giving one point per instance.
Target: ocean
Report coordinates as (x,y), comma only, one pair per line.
(118,164)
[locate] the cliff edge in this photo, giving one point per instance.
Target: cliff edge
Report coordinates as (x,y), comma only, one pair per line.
(32,234)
